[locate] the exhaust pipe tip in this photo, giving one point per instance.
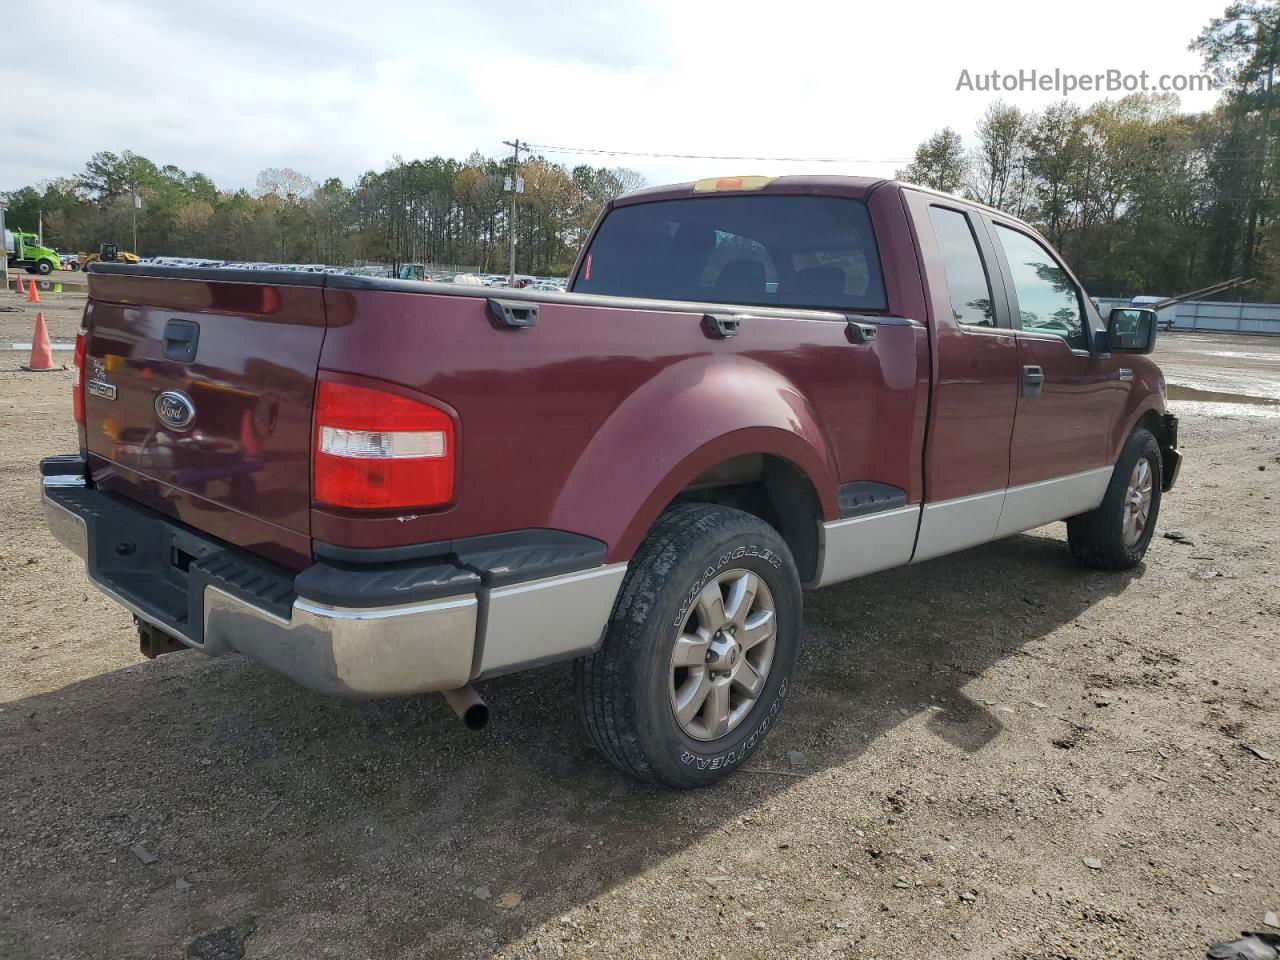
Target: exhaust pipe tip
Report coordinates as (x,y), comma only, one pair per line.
(476,716)
(466,703)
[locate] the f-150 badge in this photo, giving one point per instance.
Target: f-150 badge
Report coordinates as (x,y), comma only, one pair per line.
(98,386)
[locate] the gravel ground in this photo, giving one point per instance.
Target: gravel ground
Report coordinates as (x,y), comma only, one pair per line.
(17,321)
(996,754)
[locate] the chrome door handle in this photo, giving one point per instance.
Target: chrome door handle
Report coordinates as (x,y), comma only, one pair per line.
(1032,381)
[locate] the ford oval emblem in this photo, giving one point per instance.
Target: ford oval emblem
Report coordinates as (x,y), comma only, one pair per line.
(175,409)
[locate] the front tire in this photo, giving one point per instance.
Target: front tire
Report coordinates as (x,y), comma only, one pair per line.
(1116,535)
(699,649)
(44,268)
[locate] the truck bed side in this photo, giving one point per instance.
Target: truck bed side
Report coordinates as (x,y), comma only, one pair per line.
(595,417)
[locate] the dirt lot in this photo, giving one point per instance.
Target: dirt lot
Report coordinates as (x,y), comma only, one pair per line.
(963,735)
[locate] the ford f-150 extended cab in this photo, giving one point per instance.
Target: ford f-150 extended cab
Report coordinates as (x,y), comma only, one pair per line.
(752,386)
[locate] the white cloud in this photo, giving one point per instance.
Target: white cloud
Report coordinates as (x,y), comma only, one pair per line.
(334,89)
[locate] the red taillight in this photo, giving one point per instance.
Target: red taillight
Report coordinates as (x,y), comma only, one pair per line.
(77,395)
(379,450)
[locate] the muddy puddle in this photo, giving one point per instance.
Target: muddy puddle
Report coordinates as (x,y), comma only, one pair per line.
(1192,401)
(1177,392)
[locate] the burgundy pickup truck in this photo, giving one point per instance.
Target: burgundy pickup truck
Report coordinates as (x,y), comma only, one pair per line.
(754,385)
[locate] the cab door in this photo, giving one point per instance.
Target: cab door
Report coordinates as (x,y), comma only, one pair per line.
(975,378)
(1067,395)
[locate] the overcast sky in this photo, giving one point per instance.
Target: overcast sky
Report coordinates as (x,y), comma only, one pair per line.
(336,88)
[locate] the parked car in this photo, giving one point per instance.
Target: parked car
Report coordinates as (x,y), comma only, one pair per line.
(752,387)
(69,261)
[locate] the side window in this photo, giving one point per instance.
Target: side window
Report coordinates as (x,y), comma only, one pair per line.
(1048,300)
(966,276)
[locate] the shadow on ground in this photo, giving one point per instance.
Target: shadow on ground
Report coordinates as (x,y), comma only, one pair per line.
(385,828)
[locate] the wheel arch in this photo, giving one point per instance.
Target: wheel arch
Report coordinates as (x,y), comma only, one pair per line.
(771,488)
(1148,414)
(703,424)
(1151,419)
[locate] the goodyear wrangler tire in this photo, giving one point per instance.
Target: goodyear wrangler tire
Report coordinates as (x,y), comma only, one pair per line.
(699,649)
(1116,535)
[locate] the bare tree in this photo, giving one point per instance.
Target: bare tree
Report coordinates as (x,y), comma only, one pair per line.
(997,170)
(284,182)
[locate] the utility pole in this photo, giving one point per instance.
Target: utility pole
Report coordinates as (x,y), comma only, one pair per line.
(4,253)
(135,202)
(515,183)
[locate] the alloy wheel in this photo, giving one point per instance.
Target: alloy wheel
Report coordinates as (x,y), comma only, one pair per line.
(722,655)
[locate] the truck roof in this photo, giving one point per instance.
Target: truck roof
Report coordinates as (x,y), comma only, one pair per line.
(820,184)
(952,198)
(828,184)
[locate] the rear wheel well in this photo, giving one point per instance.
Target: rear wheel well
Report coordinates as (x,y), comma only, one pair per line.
(771,488)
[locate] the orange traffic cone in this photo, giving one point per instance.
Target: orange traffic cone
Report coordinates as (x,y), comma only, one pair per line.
(18,286)
(250,443)
(33,295)
(41,352)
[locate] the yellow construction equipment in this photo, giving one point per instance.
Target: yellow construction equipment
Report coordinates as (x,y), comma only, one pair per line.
(107,253)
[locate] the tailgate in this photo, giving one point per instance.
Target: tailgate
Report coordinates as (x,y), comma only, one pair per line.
(199,396)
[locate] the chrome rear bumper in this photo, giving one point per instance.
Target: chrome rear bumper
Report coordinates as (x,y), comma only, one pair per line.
(370,652)
(439,643)
(381,651)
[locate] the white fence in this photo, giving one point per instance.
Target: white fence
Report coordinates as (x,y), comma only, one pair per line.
(1215,315)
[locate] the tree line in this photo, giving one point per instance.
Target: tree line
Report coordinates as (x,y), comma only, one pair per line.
(1139,196)
(438,210)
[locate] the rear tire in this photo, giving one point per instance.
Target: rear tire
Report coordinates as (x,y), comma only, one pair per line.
(699,649)
(1116,535)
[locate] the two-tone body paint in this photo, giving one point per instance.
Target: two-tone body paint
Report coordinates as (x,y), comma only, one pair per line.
(1000,459)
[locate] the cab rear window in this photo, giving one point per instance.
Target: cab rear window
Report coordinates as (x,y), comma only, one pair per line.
(758,249)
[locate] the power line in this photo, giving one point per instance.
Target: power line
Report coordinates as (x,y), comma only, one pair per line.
(702,156)
(599,151)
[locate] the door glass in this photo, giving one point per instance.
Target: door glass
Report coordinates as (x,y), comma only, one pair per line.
(1048,300)
(966,277)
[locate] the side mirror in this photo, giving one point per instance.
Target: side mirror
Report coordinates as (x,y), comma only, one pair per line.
(1130,330)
